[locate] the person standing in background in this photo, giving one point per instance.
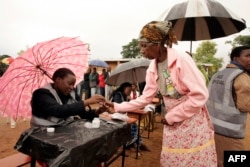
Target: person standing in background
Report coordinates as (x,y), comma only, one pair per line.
(101,79)
(229,103)
(134,92)
(108,89)
(85,89)
(93,81)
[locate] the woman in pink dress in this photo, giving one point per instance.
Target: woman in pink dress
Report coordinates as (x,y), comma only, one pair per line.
(188,135)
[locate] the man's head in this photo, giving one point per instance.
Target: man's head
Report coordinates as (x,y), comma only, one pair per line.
(241,55)
(64,80)
(93,70)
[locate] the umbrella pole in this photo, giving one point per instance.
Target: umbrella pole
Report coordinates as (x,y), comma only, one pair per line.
(44,72)
(191,48)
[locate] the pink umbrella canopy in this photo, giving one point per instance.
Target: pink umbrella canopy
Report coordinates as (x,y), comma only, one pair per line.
(34,68)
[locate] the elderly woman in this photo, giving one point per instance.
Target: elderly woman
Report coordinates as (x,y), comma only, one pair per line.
(188,135)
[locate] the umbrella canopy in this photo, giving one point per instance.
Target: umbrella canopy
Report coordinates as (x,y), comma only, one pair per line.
(34,68)
(195,20)
(133,71)
(98,63)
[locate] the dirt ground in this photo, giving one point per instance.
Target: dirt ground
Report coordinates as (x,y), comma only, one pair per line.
(9,136)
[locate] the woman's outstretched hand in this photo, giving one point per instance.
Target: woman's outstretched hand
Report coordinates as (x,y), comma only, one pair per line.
(102,108)
(110,105)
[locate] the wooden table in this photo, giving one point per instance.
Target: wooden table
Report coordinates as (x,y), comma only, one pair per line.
(139,115)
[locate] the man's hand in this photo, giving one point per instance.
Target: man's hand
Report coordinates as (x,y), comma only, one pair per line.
(94,99)
(102,109)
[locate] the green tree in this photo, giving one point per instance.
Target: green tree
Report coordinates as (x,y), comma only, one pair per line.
(23,50)
(205,55)
(131,50)
(240,40)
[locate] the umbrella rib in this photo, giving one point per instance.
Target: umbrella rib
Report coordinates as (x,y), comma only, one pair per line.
(48,63)
(19,76)
(66,62)
(19,100)
(40,64)
(9,81)
(65,48)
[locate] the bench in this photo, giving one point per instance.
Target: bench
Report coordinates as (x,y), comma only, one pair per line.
(15,160)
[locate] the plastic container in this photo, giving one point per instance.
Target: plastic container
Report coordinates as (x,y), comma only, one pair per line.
(12,123)
(50,129)
(96,123)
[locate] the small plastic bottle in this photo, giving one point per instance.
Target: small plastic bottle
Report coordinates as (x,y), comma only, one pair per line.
(12,123)
(96,123)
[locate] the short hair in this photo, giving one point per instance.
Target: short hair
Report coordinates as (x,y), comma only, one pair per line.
(61,73)
(236,52)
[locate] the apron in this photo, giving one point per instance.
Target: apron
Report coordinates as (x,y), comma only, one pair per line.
(189,143)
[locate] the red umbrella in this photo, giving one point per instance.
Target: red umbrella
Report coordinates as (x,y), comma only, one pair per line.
(34,68)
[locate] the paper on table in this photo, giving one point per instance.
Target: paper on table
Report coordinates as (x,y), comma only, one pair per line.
(120,116)
(108,118)
(149,107)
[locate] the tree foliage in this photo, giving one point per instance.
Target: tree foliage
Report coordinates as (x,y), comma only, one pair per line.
(205,55)
(240,40)
(131,50)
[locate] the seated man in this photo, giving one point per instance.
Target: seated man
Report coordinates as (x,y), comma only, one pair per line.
(58,102)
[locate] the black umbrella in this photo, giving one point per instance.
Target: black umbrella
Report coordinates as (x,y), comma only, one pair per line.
(133,71)
(195,20)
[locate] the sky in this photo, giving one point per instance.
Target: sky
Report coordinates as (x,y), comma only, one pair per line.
(106,25)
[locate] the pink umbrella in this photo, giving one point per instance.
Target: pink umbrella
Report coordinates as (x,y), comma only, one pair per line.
(34,68)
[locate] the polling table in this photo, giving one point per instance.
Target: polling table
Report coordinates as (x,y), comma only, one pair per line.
(73,144)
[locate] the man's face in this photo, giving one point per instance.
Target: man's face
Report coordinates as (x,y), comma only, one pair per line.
(244,59)
(66,84)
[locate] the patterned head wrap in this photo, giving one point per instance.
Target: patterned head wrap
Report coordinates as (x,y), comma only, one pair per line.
(158,32)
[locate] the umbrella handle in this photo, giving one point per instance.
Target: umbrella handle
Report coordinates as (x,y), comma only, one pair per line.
(43,71)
